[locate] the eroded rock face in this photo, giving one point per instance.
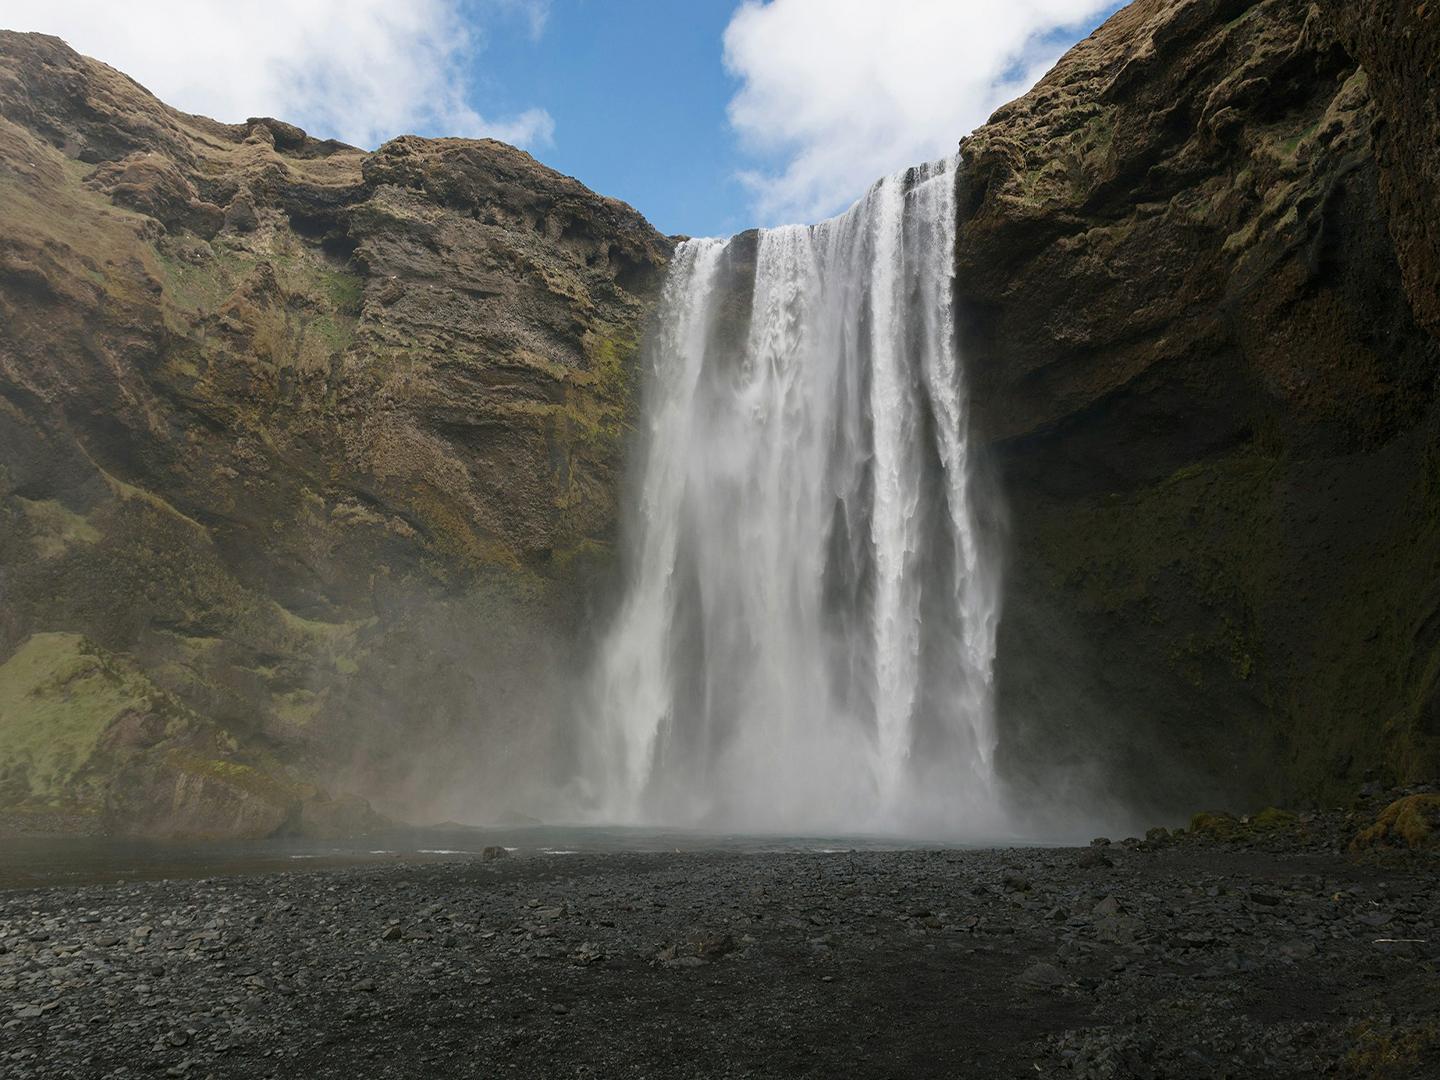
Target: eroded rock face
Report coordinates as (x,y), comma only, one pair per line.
(1197,282)
(324,442)
(1399,47)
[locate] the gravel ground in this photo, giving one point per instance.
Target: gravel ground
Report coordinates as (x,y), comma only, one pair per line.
(1139,959)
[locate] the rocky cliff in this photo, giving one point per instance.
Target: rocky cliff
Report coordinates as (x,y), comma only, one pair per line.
(304,453)
(1200,274)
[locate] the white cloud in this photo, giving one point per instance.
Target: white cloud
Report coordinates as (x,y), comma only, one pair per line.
(357,70)
(842,92)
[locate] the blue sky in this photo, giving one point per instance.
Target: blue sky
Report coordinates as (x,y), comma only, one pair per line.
(709,116)
(638,91)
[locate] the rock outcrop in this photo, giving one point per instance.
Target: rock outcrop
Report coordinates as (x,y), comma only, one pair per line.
(1199,267)
(312,447)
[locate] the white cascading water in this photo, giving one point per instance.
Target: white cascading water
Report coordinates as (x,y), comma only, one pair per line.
(808,631)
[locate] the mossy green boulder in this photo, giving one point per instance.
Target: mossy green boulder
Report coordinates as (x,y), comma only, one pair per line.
(1411,822)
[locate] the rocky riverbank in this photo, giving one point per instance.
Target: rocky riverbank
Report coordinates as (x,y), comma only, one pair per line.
(1244,954)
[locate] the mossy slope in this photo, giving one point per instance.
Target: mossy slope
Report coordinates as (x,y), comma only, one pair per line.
(271,409)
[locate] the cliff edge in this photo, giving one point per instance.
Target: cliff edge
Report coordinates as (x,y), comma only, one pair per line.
(1199,274)
(304,455)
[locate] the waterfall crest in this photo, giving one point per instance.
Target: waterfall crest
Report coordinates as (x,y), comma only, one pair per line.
(808,629)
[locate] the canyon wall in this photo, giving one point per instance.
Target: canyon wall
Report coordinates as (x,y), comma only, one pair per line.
(304,454)
(1198,265)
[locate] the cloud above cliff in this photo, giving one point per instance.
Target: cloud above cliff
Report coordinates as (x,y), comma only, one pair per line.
(837,93)
(357,70)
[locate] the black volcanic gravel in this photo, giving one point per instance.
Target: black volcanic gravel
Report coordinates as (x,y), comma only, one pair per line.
(1170,960)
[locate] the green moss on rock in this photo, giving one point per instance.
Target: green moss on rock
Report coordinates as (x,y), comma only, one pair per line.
(1273,819)
(1412,822)
(58,699)
(1216,825)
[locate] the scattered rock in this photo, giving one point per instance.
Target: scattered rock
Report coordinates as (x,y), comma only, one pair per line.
(1042,976)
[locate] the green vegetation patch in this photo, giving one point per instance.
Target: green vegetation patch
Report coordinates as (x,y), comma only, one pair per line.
(58,697)
(1273,819)
(1220,826)
(342,289)
(57,529)
(198,276)
(1412,822)
(1390,1049)
(243,778)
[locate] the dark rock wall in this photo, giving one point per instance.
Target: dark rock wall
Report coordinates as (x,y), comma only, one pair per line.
(1398,44)
(1197,273)
(325,442)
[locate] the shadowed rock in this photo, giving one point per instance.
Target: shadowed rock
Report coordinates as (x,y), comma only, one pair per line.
(1196,269)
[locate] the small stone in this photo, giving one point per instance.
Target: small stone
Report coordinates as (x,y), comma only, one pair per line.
(1108,906)
(492,852)
(391,933)
(588,953)
(1042,976)
(1298,949)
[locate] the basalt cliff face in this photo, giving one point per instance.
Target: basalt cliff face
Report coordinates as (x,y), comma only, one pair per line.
(1199,272)
(305,457)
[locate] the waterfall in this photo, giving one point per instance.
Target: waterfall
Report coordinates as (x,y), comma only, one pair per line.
(807,634)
